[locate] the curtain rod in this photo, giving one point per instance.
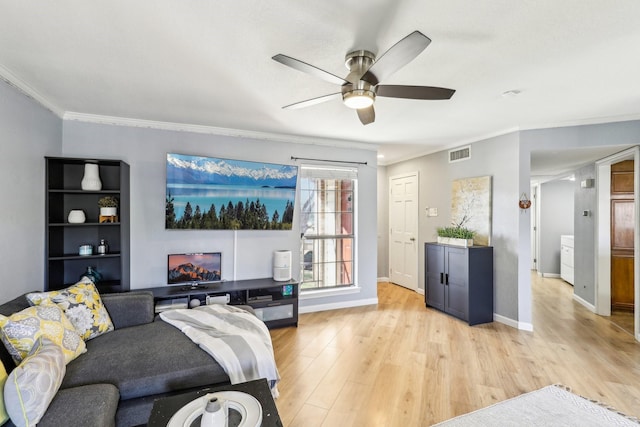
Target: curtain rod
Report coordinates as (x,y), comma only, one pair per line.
(327,160)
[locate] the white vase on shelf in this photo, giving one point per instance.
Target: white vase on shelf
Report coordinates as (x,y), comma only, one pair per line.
(91,180)
(76,216)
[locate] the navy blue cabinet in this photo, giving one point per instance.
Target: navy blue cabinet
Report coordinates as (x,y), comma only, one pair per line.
(459,281)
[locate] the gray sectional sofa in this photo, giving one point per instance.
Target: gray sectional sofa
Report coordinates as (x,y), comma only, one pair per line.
(123,371)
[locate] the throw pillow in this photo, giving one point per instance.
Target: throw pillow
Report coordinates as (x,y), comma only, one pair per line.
(32,385)
(4,417)
(21,331)
(82,305)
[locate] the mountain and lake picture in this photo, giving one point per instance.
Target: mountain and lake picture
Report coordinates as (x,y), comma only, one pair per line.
(222,194)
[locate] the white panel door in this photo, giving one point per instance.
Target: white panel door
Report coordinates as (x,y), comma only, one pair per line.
(403,230)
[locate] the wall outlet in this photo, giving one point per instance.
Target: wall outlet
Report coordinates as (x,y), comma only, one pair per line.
(432,211)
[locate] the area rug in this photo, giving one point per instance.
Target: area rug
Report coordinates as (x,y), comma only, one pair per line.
(550,406)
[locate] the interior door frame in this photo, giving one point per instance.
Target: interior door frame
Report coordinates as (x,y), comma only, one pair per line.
(603,233)
(415,268)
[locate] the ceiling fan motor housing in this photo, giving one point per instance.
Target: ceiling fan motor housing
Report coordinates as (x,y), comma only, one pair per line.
(360,93)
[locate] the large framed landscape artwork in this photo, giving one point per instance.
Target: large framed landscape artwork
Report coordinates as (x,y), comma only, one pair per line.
(471,207)
(223,194)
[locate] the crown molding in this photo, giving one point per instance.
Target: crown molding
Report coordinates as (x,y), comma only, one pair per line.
(212,130)
(11,79)
(583,122)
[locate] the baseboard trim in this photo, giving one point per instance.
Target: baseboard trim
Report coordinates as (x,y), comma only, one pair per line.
(523,326)
(586,304)
(420,291)
(383,279)
(337,305)
(551,275)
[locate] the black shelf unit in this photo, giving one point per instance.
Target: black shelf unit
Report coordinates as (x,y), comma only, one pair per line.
(268,298)
(63,192)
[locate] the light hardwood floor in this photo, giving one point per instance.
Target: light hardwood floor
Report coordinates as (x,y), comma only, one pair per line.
(401,364)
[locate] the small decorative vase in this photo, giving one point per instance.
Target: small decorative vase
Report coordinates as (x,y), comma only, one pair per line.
(110,211)
(91,274)
(85,250)
(76,216)
(91,180)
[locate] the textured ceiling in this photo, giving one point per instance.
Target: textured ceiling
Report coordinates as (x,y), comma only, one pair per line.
(209,64)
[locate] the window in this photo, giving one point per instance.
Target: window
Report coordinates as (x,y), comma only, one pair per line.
(327,224)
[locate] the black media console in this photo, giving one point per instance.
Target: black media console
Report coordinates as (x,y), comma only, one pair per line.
(276,303)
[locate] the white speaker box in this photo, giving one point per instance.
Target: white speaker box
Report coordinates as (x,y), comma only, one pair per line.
(282,266)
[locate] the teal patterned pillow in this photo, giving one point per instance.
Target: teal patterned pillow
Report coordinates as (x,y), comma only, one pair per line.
(32,385)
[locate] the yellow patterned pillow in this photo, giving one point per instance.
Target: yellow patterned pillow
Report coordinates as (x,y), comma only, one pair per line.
(4,417)
(21,331)
(82,305)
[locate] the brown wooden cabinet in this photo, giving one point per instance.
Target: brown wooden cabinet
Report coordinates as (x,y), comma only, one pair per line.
(622,235)
(63,263)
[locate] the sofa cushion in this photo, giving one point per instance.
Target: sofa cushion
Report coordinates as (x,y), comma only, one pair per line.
(129,308)
(91,405)
(144,360)
(33,384)
(21,330)
(82,305)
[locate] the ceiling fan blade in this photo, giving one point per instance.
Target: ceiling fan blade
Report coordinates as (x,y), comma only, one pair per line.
(313,101)
(309,69)
(367,115)
(399,55)
(414,92)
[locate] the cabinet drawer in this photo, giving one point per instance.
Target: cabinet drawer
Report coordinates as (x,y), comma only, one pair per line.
(566,256)
(566,273)
(566,240)
(278,312)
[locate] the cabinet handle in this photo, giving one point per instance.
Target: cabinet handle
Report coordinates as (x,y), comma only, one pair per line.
(441,278)
(446,279)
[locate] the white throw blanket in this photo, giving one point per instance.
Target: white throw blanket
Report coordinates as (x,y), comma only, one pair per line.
(235,338)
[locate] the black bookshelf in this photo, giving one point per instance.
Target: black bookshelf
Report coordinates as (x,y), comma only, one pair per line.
(63,192)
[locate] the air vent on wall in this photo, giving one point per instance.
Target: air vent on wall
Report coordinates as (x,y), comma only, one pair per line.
(460,154)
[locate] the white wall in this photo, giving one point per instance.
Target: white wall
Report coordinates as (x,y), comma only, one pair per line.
(555,200)
(28,132)
(620,134)
(507,158)
(145,151)
(497,157)
(383,223)
(585,199)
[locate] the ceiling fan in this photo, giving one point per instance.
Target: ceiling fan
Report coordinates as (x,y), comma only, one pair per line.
(361,86)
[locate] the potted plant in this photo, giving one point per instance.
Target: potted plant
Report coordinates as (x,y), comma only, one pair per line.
(108,206)
(456,236)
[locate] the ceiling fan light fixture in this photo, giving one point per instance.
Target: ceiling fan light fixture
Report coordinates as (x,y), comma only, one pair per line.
(358,98)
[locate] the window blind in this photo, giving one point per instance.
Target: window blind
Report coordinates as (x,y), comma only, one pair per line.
(328,172)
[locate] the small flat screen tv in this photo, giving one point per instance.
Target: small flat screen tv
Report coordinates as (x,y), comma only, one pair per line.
(194,268)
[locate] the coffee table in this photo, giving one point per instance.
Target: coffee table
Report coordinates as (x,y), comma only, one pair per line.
(164,408)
